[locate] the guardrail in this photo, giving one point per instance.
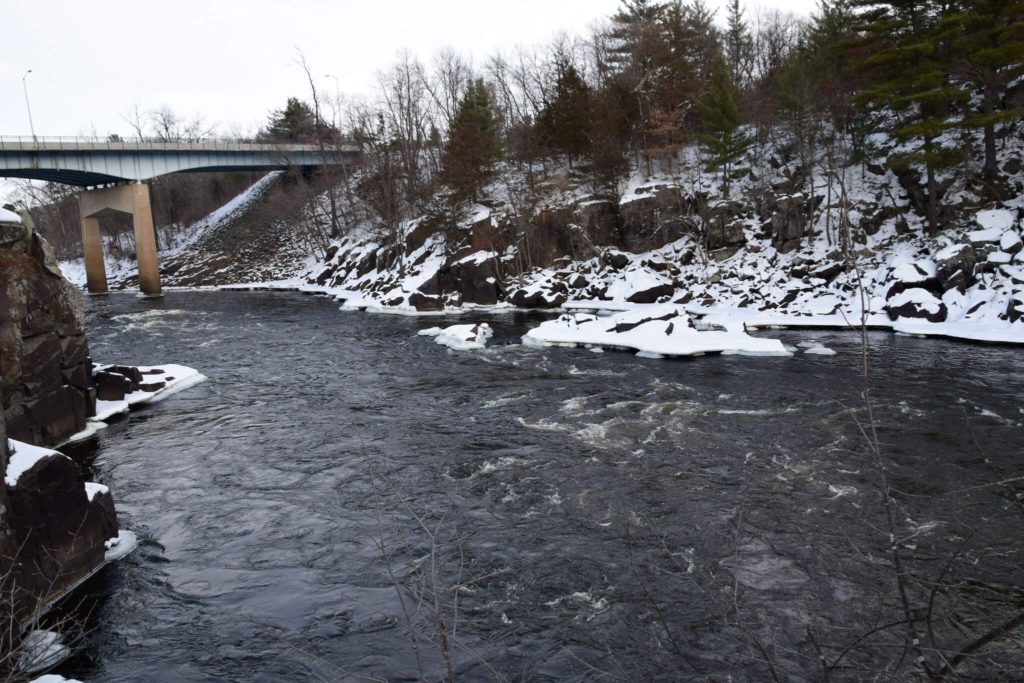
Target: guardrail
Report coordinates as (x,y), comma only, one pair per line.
(20,143)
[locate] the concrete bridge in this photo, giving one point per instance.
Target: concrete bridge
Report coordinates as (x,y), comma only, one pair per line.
(124,166)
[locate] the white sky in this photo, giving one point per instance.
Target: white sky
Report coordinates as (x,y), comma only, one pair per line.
(232,62)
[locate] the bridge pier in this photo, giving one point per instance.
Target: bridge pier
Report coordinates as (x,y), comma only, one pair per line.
(133,199)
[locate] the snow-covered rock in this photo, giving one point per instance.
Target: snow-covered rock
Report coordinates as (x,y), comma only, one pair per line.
(995,219)
(916,303)
(1010,242)
(9,216)
(652,331)
(24,457)
(461,337)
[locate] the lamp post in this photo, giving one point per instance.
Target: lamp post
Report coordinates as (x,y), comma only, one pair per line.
(24,86)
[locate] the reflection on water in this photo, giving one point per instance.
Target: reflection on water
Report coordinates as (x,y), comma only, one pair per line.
(339,483)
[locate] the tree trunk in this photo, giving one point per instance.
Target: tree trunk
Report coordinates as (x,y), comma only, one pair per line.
(933,192)
(990,171)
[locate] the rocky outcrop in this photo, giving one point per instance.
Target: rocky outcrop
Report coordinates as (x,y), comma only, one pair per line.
(61,530)
(788,223)
(44,356)
(53,528)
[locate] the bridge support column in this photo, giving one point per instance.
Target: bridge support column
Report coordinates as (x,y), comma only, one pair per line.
(133,199)
(92,245)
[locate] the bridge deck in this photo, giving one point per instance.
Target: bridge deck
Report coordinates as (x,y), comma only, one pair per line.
(99,161)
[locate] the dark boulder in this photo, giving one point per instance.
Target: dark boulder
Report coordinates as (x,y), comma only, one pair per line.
(916,303)
(955,267)
(537,298)
(60,532)
(422,302)
(788,224)
(651,294)
(111,386)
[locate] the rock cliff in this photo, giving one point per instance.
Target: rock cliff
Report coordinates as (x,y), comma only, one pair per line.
(44,356)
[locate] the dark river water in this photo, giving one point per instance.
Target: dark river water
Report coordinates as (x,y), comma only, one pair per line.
(346,500)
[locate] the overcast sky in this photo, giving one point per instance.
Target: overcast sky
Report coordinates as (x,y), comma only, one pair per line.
(232,62)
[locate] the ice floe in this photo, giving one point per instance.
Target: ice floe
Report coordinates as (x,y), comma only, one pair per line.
(461,337)
(654,331)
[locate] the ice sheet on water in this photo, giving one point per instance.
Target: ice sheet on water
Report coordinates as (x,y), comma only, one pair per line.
(460,337)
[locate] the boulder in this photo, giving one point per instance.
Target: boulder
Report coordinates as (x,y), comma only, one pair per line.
(916,303)
(921,274)
(537,298)
(651,294)
(1015,307)
(111,386)
(422,302)
(955,267)
(60,532)
(475,280)
(1010,243)
(788,223)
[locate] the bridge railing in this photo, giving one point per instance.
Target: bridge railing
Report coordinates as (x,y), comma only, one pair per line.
(118,143)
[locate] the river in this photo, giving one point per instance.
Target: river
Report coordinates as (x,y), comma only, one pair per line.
(339,481)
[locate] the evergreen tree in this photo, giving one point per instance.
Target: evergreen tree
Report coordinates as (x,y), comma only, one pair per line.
(738,44)
(722,121)
(565,121)
(906,67)
(987,37)
(296,122)
(474,143)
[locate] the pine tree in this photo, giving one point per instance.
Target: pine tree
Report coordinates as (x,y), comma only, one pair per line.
(738,44)
(988,43)
(565,121)
(296,122)
(474,143)
(724,138)
(907,70)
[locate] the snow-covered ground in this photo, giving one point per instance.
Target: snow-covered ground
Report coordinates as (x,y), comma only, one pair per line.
(886,272)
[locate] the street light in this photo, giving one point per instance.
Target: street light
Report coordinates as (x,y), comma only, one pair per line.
(24,86)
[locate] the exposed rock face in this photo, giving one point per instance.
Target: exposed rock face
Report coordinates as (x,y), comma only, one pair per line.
(788,221)
(61,534)
(44,357)
(956,267)
(52,533)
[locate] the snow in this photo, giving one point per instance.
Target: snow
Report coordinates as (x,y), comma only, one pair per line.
(177,378)
(92,426)
(1010,242)
(461,337)
(120,546)
(92,488)
(41,650)
(997,331)
(987,235)
(819,350)
(912,273)
(999,257)
(24,458)
(634,281)
(922,298)
(996,219)
(108,409)
(664,330)
(9,216)
(54,678)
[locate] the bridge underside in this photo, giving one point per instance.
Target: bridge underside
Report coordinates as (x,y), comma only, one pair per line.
(127,165)
(93,179)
